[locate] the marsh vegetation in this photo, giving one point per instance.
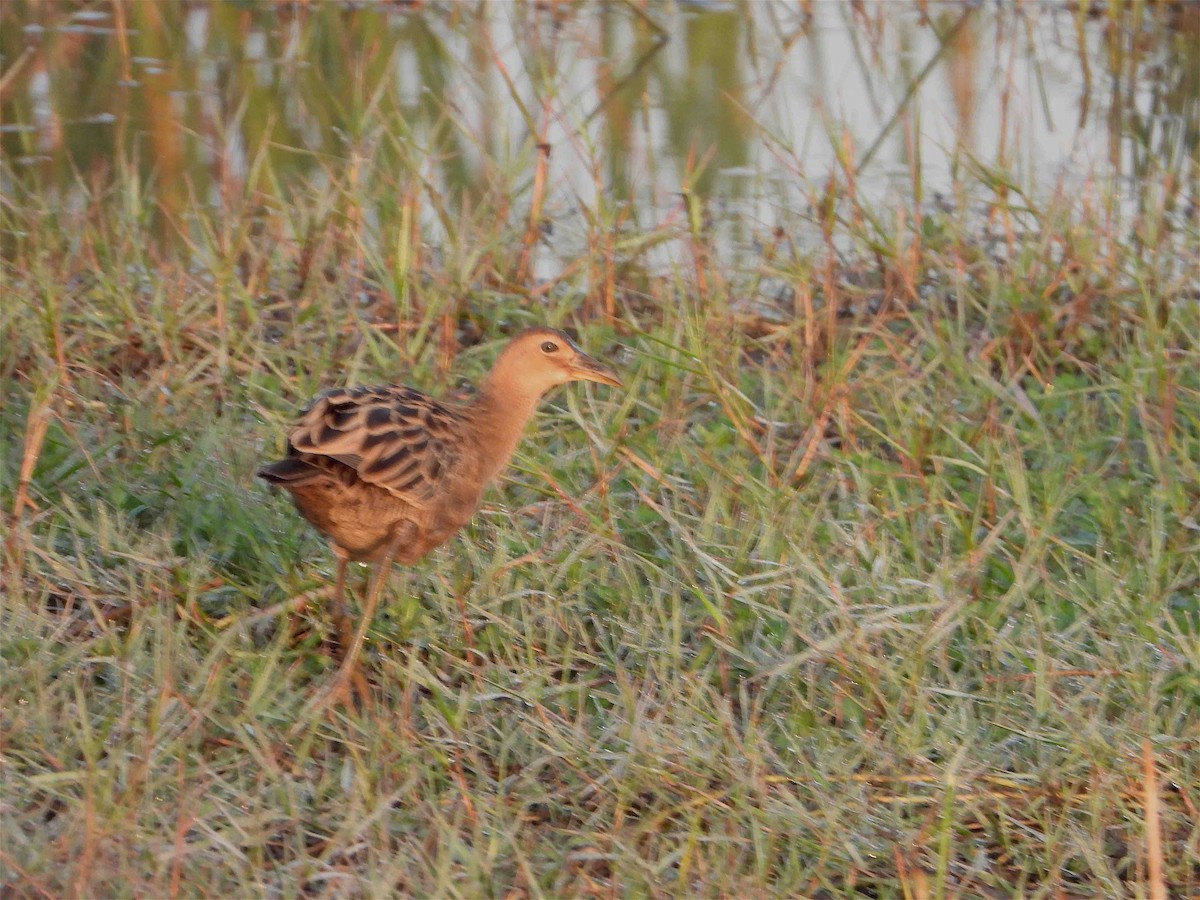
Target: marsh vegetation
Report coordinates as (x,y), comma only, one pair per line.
(881,575)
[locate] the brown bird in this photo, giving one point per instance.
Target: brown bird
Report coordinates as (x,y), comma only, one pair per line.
(388,473)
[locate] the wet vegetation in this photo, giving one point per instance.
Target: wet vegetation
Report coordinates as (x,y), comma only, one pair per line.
(880,577)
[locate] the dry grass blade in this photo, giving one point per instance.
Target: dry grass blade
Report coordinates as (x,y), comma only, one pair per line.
(1153,818)
(37,422)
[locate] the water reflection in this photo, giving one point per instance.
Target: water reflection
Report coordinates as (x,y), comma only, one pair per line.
(744,106)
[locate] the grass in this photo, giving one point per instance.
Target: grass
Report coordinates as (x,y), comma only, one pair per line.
(890,587)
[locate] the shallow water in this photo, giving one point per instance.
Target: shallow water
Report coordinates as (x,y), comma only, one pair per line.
(750,107)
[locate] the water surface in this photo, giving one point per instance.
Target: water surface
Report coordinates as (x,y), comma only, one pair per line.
(749,108)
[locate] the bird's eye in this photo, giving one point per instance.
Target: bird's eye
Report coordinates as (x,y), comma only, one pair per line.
(549,347)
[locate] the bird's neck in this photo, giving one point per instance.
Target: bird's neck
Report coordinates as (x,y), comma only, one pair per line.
(500,417)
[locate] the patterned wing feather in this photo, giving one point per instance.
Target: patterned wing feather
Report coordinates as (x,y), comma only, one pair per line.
(393,437)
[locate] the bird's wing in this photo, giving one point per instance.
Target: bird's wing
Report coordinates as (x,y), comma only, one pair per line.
(394,437)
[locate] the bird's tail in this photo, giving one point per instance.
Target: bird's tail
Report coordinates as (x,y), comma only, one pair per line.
(287,471)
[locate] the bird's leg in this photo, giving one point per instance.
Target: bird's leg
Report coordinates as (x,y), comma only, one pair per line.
(354,647)
(348,672)
(339,607)
(468,631)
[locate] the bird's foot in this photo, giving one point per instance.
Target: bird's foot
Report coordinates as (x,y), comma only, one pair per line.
(338,643)
(350,685)
(347,688)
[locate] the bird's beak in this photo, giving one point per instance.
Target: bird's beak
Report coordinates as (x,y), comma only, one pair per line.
(584,368)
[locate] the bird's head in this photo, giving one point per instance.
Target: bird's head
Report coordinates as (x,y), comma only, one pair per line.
(540,358)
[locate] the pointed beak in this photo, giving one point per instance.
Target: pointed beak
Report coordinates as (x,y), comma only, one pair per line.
(584,368)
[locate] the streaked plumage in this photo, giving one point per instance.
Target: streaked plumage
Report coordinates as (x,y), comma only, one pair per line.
(388,473)
(362,462)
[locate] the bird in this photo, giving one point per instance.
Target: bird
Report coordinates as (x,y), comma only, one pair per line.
(388,473)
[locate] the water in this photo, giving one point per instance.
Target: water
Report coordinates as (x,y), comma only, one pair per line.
(751,108)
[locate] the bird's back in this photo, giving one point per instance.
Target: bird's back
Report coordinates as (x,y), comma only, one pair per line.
(368,463)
